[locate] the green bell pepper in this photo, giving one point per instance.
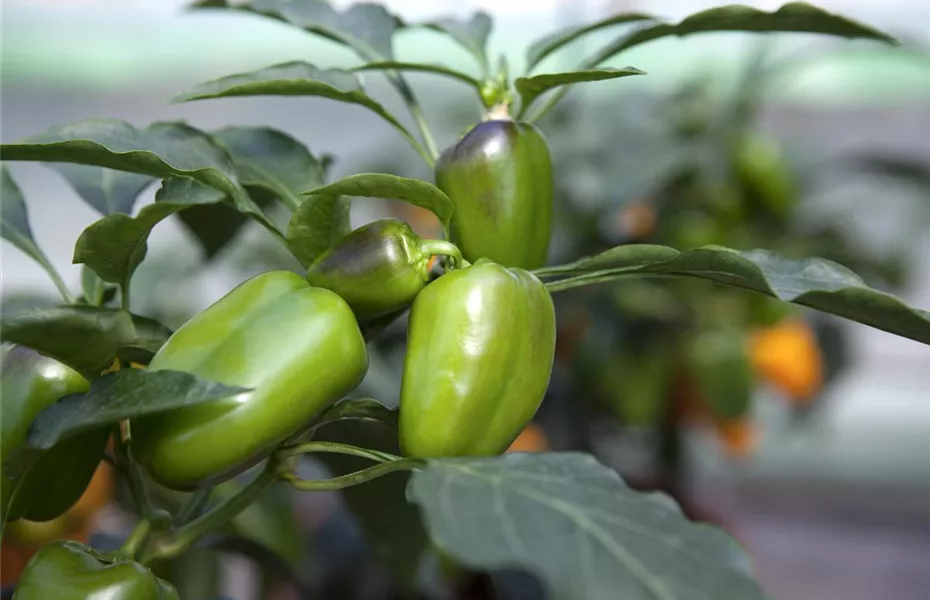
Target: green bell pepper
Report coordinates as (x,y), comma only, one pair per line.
(499,176)
(480,348)
(297,347)
(720,362)
(379,268)
(67,570)
(30,383)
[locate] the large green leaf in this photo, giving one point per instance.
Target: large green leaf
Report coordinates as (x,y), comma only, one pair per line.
(367,28)
(472,34)
(394,65)
(817,283)
(504,512)
(14,220)
(317,224)
(106,190)
(382,185)
(554,41)
(532,87)
(797,17)
(164,149)
(294,78)
(116,244)
(130,393)
(86,338)
(272,160)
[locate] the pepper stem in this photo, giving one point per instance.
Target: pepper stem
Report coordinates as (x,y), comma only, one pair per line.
(136,538)
(443,248)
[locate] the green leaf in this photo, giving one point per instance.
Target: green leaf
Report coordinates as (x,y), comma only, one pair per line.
(554,41)
(367,28)
(125,394)
(317,224)
(393,65)
(816,283)
(92,286)
(472,34)
(796,17)
(116,244)
(294,78)
(382,185)
(614,542)
(391,524)
(14,219)
(358,408)
(164,149)
(86,338)
(271,160)
(531,88)
(105,190)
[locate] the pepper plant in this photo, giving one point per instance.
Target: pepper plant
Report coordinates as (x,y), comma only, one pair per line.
(265,376)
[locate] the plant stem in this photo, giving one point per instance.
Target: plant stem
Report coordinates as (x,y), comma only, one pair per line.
(56,278)
(135,540)
(178,541)
(431,152)
(352,479)
(335,448)
(550,102)
(124,294)
(133,473)
(194,505)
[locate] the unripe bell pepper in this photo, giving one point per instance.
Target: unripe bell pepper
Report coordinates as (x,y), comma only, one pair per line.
(30,383)
(70,571)
(298,347)
(723,372)
(480,347)
(499,176)
(379,268)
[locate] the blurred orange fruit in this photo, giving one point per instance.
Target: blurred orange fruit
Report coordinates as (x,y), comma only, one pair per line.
(531,439)
(739,438)
(787,356)
(637,220)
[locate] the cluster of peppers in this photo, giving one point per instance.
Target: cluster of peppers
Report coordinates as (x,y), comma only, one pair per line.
(481,343)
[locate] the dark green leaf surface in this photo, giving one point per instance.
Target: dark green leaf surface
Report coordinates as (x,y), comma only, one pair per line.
(126,394)
(116,244)
(796,17)
(393,65)
(318,223)
(105,190)
(293,79)
(164,149)
(271,160)
(472,34)
(504,512)
(367,28)
(554,41)
(531,88)
(86,338)
(382,185)
(816,283)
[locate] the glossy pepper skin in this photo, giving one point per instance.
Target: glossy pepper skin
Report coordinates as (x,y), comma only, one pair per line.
(67,570)
(298,347)
(378,268)
(30,383)
(499,176)
(480,347)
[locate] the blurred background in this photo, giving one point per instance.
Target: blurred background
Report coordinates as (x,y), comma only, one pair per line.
(807,145)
